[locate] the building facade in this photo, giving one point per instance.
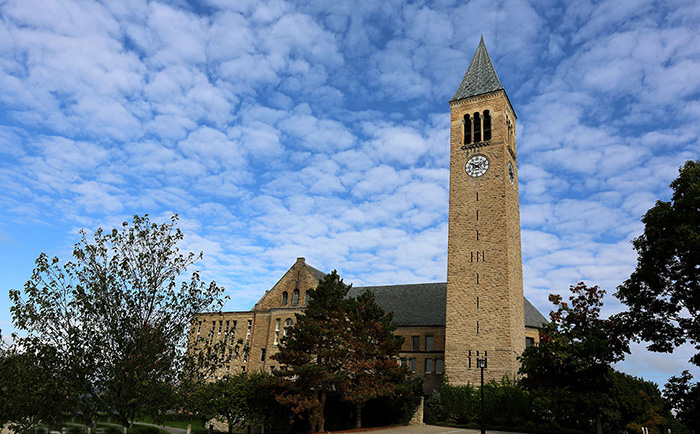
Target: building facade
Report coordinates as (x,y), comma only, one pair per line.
(480,311)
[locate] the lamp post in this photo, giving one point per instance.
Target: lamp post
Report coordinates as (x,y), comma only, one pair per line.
(481,363)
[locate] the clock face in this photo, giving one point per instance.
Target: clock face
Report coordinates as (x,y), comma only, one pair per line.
(477,166)
(511,173)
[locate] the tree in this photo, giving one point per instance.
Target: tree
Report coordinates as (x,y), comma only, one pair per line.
(239,400)
(29,394)
(634,403)
(661,293)
(113,321)
(575,354)
(341,345)
(371,368)
(313,354)
(684,398)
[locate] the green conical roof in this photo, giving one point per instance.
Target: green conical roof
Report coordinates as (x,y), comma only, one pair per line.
(480,77)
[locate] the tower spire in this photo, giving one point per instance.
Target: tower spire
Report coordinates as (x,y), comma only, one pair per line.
(480,77)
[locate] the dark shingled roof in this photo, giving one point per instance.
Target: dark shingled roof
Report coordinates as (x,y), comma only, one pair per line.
(424,304)
(419,304)
(533,317)
(480,77)
(320,275)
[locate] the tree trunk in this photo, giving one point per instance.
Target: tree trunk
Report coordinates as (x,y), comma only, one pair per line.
(322,420)
(598,422)
(358,415)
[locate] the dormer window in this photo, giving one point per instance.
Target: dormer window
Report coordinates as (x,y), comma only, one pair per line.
(284,298)
(295,297)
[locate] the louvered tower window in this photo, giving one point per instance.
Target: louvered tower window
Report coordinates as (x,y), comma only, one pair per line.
(467,129)
(487,125)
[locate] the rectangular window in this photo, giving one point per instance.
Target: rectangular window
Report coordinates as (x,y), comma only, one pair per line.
(402,361)
(245,354)
(412,365)
(529,342)
(415,343)
(428,366)
(199,329)
(213,330)
(247,333)
(428,343)
(221,324)
(263,351)
(278,322)
(439,366)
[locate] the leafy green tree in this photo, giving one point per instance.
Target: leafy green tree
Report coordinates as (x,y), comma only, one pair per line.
(29,393)
(661,293)
(313,354)
(634,403)
(575,354)
(372,371)
(114,320)
(242,400)
(684,398)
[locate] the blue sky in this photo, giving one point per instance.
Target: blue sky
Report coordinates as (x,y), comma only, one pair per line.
(279,129)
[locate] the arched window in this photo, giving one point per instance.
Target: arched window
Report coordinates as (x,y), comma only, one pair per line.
(467,129)
(295,297)
(284,298)
(477,127)
(287,323)
(487,125)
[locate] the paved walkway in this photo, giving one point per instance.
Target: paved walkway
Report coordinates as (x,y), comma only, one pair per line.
(428,429)
(170,429)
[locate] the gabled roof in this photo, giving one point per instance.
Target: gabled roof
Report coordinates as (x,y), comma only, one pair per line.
(480,77)
(318,274)
(424,304)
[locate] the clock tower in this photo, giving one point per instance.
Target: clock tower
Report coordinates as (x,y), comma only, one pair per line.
(484,314)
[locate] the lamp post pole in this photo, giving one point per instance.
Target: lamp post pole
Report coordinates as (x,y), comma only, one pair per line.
(481,363)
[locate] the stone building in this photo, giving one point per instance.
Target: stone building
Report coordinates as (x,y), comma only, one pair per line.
(480,310)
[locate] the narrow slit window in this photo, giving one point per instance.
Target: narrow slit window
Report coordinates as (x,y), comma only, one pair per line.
(487,125)
(477,235)
(477,215)
(477,127)
(477,332)
(477,278)
(477,302)
(467,129)
(278,322)
(483,256)
(472,253)
(285,296)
